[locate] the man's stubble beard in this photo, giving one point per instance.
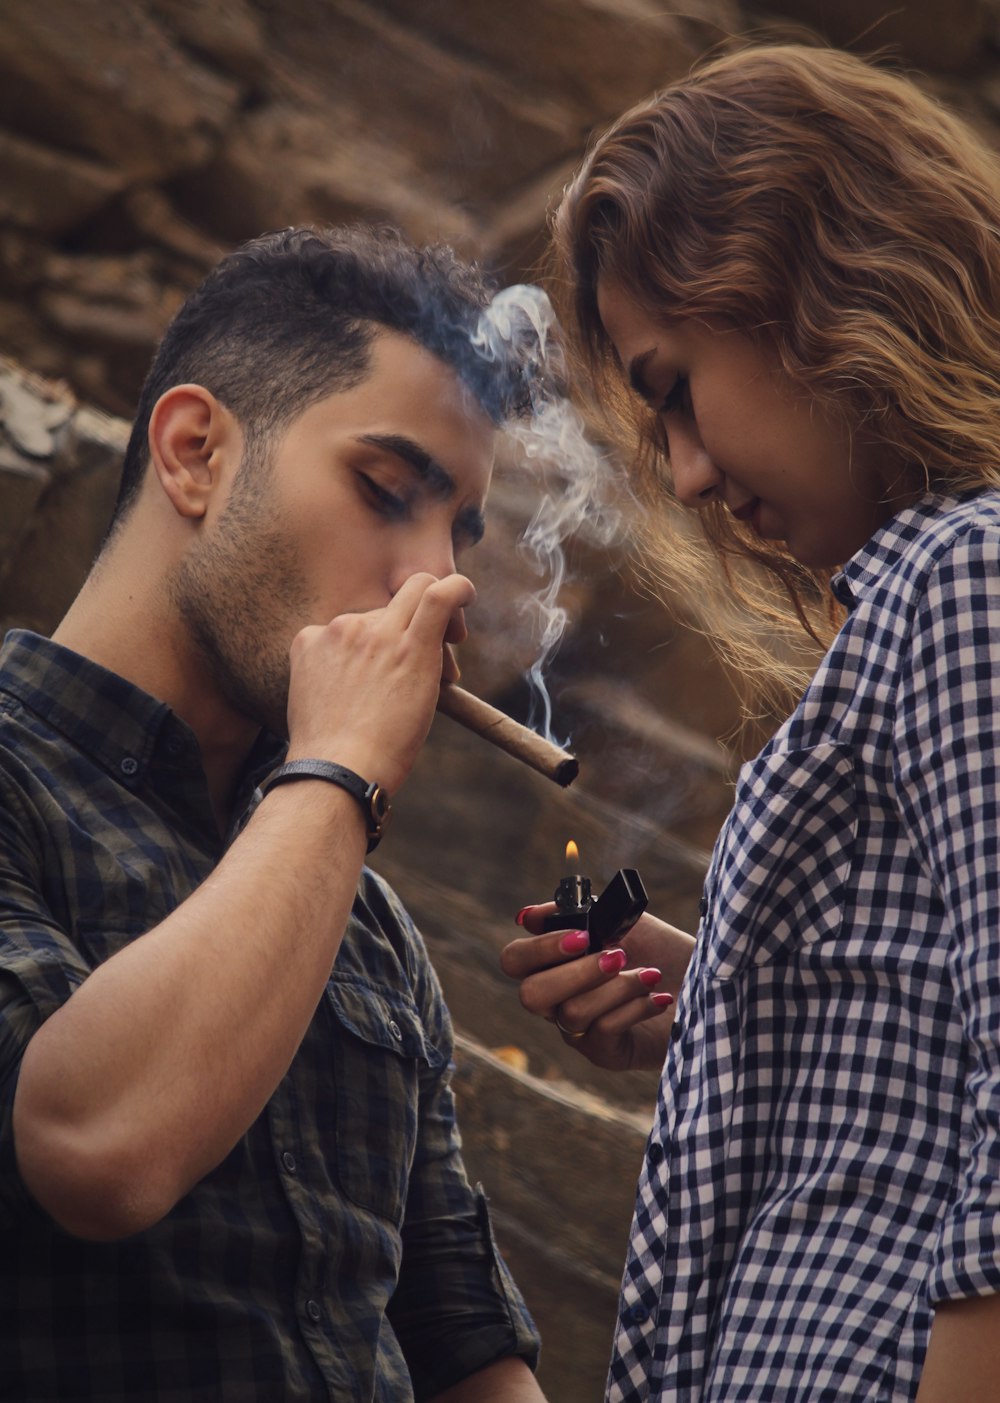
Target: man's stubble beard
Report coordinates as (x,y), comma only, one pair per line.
(242,597)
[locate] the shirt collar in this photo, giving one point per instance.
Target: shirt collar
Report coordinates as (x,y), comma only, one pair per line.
(117,724)
(884,550)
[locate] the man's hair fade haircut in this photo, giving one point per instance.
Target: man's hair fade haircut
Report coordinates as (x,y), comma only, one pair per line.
(289,318)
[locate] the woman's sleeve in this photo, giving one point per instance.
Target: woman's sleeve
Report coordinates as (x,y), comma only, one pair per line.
(946,759)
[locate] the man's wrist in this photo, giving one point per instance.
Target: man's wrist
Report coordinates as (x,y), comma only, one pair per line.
(372,799)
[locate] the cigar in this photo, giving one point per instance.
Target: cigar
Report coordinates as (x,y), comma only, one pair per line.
(507,734)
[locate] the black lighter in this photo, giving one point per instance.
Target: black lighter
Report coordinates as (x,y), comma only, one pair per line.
(608,917)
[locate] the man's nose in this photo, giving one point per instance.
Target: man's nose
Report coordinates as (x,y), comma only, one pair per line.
(697,481)
(433,554)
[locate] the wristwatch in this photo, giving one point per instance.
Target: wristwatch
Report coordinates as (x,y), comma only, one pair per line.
(372,797)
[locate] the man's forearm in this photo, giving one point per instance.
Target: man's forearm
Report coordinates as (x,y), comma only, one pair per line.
(145,1079)
(507,1381)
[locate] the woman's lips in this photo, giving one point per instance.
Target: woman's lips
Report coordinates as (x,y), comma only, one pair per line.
(750,513)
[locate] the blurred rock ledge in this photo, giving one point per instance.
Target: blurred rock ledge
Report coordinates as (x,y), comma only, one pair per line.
(560,1169)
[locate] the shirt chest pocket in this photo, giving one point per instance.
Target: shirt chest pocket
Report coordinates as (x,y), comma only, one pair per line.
(778,877)
(378,1054)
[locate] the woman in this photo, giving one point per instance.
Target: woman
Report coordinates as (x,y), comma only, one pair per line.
(783,279)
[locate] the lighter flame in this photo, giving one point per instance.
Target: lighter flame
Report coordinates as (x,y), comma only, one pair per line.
(572,854)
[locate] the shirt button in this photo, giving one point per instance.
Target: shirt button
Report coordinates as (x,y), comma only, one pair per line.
(395,1030)
(129,765)
(312,1310)
(703,906)
(288,1160)
(656,1153)
(636,1315)
(676,1032)
(175,744)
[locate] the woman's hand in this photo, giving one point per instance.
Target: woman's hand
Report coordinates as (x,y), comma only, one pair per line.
(613,1007)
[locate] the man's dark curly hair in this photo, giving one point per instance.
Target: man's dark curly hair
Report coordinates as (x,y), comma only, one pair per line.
(289,318)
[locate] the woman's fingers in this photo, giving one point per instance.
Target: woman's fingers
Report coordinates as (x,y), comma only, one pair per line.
(602,1008)
(533,918)
(615,1005)
(532,954)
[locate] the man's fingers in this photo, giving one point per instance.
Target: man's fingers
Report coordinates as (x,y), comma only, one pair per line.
(431,609)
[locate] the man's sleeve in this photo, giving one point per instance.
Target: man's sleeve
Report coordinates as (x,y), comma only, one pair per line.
(947,754)
(39,969)
(456,1308)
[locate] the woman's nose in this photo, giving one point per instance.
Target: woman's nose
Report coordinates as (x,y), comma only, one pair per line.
(697,481)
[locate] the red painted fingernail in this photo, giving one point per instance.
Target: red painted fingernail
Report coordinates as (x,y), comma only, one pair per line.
(519,918)
(661,1000)
(649,976)
(612,961)
(574,941)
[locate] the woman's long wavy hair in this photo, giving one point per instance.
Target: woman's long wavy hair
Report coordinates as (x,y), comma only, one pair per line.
(841,215)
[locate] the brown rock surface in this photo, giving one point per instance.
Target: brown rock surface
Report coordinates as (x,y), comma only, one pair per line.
(137,142)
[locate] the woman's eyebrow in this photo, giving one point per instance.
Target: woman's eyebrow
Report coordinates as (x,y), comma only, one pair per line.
(430,472)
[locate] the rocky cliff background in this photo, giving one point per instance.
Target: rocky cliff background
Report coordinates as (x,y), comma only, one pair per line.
(140,139)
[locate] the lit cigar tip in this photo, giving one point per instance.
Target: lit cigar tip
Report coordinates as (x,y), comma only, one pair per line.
(567,772)
(507,734)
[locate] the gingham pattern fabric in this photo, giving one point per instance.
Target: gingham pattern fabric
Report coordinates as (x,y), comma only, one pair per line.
(339,1251)
(825,1161)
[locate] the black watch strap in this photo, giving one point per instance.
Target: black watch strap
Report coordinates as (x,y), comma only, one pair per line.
(372,797)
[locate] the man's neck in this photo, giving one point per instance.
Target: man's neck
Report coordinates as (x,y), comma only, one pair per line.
(125,623)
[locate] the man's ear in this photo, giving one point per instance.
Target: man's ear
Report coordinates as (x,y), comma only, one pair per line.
(189,434)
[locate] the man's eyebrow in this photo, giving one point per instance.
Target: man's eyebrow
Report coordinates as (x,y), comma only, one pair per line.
(431,473)
(637,375)
(470,521)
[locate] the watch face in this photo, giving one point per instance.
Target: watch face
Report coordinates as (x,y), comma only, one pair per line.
(378,801)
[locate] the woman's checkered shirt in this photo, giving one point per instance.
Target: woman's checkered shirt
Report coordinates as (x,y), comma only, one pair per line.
(825,1163)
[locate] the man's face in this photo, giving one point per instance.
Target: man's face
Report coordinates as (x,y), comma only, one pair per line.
(364,489)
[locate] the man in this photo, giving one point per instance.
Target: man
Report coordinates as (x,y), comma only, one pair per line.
(229,1167)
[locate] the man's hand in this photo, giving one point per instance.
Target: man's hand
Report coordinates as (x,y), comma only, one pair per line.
(613,1007)
(364,687)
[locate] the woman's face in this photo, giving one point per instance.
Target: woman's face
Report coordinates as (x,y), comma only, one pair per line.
(741,432)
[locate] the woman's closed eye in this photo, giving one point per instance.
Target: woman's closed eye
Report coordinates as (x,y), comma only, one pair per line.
(678,398)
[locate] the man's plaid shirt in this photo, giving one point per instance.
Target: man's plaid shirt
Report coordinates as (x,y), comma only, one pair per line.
(825,1164)
(338,1252)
